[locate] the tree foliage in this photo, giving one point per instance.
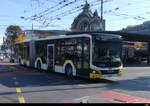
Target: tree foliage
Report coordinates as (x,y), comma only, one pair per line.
(11,34)
(13,31)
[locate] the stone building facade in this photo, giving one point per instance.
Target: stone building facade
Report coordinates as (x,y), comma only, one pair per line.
(88,21)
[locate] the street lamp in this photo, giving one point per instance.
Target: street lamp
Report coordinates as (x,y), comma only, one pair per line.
(32,26)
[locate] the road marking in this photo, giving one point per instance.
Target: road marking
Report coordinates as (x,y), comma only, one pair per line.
(85,97)
(82,85)
(18,90)
(21,100)
(87,85)
(121,97)
(110,95)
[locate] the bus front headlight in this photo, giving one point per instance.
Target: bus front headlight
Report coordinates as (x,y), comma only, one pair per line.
(121,67)
(94,72)
(120,73)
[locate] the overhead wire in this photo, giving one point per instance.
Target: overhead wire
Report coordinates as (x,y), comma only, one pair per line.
(44,16)
(71,11)
(75,9)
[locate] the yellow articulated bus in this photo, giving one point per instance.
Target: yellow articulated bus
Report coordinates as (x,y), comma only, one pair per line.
(88,55)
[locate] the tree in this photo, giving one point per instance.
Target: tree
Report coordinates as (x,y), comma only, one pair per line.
(12,33)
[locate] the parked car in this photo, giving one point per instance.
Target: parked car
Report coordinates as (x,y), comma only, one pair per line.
(2,57)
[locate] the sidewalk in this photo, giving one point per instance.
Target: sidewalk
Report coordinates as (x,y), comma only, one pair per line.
(109,97)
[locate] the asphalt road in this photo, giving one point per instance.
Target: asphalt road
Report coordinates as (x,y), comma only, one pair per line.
(20,84)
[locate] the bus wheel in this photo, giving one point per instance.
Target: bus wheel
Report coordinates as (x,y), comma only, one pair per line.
(39,65)
(69,71)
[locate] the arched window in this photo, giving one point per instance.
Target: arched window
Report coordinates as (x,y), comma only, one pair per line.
(84,26)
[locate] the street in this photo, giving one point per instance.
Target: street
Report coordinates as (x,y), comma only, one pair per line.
(20,84)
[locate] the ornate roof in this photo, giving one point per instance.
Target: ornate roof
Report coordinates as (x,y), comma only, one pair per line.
(96,13)
(86,16)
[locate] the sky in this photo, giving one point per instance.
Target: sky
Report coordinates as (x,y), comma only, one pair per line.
(117,13)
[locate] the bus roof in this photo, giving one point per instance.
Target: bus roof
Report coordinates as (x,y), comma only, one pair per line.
(71,35)
(54,37)
(64,36)
(80,35)
(104,34)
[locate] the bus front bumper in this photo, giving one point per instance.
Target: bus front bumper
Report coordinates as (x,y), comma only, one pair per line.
(95,76)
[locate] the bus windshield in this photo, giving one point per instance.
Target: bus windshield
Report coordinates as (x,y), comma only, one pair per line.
(104,51)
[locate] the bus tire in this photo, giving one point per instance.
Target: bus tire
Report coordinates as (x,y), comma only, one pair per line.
(69,71)
(39,65)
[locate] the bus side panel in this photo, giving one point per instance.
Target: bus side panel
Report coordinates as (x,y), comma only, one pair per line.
(32,53)
(22,53)
(76,50)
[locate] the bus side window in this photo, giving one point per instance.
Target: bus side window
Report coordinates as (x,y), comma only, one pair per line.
(86,55)
(79,55)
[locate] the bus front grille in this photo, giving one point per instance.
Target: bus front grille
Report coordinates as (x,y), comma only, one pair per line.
(108,64)
(109,71)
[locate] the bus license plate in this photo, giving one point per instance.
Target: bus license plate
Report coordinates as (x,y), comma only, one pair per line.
(109,75)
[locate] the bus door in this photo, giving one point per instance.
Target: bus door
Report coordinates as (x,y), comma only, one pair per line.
(26,52)
(50,56)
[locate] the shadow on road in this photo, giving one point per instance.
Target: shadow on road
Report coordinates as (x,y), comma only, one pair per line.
(137,84)
(42,81)
(28,77)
